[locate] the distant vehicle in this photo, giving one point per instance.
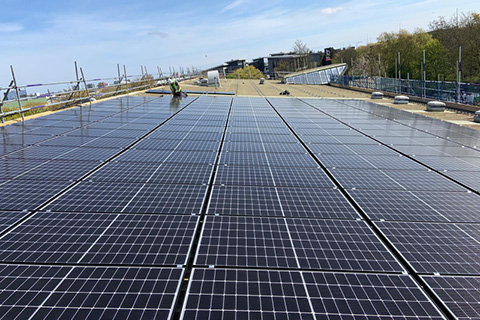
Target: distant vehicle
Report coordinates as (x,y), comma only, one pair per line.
(262,80)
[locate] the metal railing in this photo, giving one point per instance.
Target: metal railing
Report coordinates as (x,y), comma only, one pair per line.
(14,99)
(466,93)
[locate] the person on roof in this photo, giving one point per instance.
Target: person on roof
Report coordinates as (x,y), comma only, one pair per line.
(175,87)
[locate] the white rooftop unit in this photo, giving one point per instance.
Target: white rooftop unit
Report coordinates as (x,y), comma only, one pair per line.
(213,78)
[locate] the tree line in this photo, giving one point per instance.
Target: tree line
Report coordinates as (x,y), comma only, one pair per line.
(402,53)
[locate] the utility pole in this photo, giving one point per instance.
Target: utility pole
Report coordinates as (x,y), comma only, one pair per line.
(459,70)
(424,74)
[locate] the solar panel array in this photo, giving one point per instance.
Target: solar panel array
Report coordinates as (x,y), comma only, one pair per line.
(242,208)
(321,75)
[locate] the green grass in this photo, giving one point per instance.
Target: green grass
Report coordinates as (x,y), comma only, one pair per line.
(13,105)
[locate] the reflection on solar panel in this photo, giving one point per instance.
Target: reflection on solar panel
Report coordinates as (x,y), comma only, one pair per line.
(237,207)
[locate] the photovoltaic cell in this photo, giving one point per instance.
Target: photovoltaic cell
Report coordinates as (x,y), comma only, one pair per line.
(394,180)
(267,209)
(293,243)
(246,294)
(7,219)
(28,194)
(468,178)
(243,147)
(395,205)
(455,206)
(246,242)
(347,245)
(365,179)
(461,295)
(100,239)
(316,203)
(434,247)
(301,177)
(11,168)
(244,176)
(131,198)
(253,159)
(59,170)
(160,173)
(291,160)
(269,294)
(244,200)
(60,292)
(368,296)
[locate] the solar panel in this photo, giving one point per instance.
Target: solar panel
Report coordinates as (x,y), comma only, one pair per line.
(394,180)
(28,194)
(64,153)
(271,210)
(449,163)
(244,176)
(244,200)
(397,162)
(346,161)
(246,241)
(157,156)
(315,203)
(254,159)
(81,238)
(255,294)
(455,206)
(11,168)
(459,294)
(291,160)
(8,218)
(230,146)
(131,198)
(40,152)
(395,205)
(67,141)
(61,292)
(324,148)
(265,294)
(293,243)
(423,180)
(469,178)
(284,147)
(301,177)
(107,142)
(143,172)
(365,179)
(55,170)
(434,247)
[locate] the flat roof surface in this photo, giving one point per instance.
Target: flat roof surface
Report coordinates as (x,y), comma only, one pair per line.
(211,207)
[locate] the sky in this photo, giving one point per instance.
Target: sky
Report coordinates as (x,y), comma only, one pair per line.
(42,39)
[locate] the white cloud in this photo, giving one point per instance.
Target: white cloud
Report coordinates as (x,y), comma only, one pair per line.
(158,34)
(329,11)
(10,27)
(231,6)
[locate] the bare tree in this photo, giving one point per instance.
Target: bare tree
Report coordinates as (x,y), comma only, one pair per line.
(301,49)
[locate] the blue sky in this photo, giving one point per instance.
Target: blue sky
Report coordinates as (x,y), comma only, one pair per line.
(41,39)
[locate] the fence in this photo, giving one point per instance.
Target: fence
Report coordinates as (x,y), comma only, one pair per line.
(466,93)
(57,95)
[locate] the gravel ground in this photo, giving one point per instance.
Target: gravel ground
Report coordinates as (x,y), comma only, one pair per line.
(272,88)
